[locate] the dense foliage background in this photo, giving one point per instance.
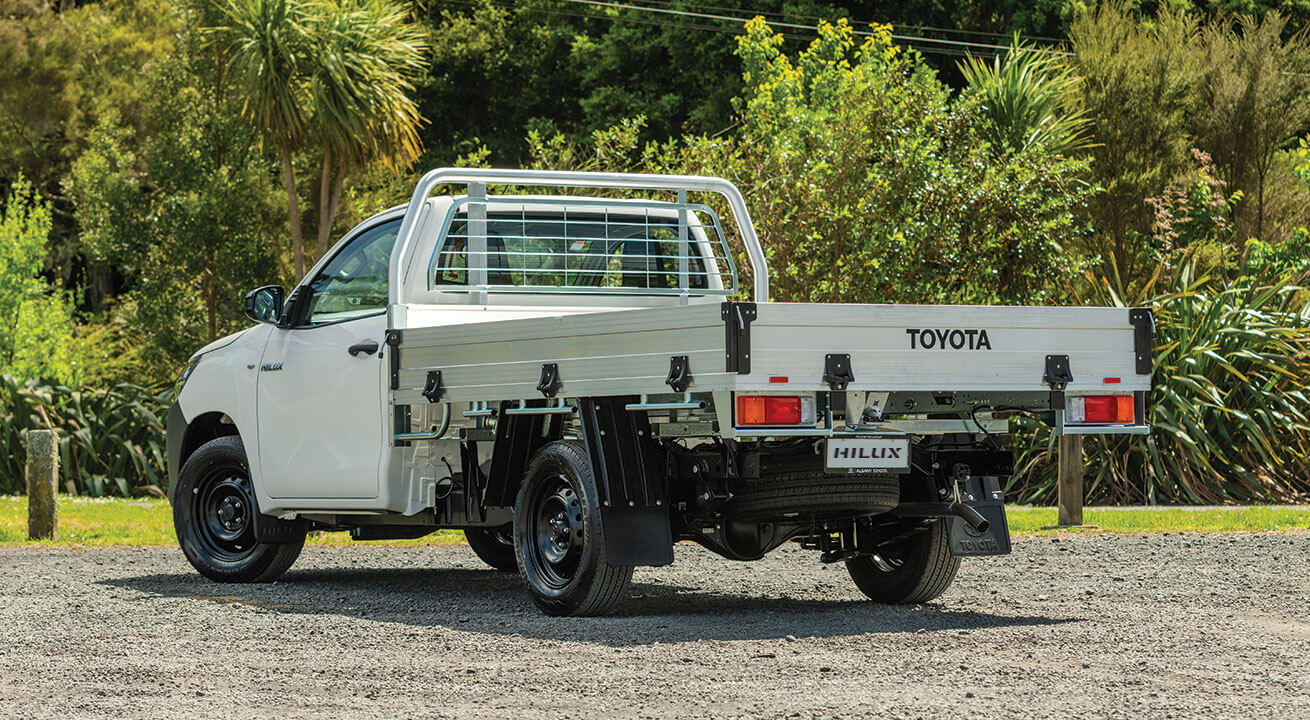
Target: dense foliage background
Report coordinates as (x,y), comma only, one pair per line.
(158,158)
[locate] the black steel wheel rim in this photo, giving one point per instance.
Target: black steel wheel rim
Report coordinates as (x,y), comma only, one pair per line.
(555,540)
(223,514)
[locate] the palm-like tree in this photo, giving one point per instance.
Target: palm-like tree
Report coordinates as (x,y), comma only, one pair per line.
(1026,95)
(269,45)
(367,60)
(336,73)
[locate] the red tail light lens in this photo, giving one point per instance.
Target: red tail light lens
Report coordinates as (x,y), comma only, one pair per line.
(774,410)
(1112,409)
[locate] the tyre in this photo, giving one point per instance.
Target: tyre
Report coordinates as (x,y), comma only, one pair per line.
(559,538)
(815,496)
(916,569)
(214,514)
(494,547)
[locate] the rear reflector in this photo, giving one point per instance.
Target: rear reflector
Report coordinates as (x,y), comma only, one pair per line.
(1102,409)
(759,410)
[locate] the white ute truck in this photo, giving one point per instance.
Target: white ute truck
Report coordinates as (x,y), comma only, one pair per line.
(571,380)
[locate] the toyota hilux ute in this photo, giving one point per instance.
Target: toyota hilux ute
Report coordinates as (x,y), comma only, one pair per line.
(577,382)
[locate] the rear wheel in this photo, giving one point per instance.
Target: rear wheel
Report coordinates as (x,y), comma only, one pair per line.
(916,569)
(559,538)
(214,512)
(494,546)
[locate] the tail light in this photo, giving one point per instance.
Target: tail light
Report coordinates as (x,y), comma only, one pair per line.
(759,410)
(1112,409)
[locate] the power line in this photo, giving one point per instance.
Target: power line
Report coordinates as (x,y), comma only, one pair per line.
(948,51)
(627,20)
(795,26)
(928,28)
(751,13)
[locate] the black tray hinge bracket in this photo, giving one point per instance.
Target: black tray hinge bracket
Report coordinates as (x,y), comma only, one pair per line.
(550,382)
(737,319)
(1143,322)
(679,373)
(432,389)
(837,371)
(393,340)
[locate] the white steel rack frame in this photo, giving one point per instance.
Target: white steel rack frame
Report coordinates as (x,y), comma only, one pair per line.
(476,180)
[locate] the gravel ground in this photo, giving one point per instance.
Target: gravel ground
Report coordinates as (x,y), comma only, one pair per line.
(1079,626)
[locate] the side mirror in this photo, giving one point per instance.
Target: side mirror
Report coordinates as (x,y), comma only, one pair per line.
(264,305)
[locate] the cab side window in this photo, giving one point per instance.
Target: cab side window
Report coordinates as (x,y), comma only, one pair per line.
(354,283)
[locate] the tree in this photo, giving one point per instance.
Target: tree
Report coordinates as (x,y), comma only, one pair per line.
(334,72)
(36,322)
(268,48)
(867,181)
(189,217)
(1138,89)
(876,185)
(366,64)
(61,68)
(1256,88)
(1028,98)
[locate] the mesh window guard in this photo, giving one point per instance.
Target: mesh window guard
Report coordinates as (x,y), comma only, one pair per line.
(508,243)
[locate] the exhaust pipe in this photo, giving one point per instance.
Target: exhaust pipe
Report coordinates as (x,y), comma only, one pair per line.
(974,518)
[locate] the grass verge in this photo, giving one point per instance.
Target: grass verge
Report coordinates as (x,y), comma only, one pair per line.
(96,522)
(112,521)
(1029,520)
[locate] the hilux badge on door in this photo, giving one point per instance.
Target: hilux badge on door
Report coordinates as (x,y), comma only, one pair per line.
(270,367)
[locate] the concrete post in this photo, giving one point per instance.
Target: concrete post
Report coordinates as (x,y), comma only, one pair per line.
(1071,480)
(42,485)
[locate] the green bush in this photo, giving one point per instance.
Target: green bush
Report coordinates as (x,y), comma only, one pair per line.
(111,442)
(1228,408)
(868,181)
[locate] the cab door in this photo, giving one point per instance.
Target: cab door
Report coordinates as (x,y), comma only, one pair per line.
(321,393)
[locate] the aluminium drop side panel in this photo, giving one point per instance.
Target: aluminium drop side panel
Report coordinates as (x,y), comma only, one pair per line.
(792,339)
(627,352)
(624,352)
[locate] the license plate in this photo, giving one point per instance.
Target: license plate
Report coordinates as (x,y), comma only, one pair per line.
(872,455)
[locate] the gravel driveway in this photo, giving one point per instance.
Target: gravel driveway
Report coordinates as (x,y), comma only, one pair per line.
(1079,626)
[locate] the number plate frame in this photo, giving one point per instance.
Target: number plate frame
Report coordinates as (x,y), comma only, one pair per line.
(867,455)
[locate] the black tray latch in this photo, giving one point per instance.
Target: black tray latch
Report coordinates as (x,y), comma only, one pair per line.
(837,371)
(679,373)
(550,382)
(432,389)
(1058,372)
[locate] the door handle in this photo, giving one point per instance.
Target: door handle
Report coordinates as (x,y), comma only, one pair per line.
(368,347)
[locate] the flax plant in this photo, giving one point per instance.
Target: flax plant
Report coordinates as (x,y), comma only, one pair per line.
(1228,406)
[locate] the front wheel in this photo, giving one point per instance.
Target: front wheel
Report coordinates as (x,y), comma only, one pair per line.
(559,538)
(214,515)
(916,569)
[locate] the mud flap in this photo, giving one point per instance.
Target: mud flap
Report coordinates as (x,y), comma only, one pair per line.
(631,487)
(982,493)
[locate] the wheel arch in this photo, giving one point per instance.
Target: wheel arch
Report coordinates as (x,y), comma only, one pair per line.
(184,438)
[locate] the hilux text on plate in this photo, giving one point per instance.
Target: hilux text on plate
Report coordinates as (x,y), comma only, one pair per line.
(867,455)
